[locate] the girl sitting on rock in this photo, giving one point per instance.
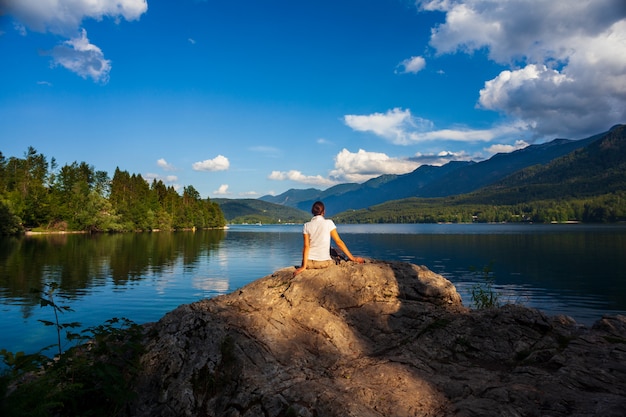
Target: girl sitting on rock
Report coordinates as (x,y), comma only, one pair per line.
(317,234)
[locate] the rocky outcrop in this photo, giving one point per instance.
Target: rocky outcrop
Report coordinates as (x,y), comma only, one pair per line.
(375,339)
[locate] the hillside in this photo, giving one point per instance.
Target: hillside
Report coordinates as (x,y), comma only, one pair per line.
(255,211)
(597,169)
(387,187)
(588,184)
(427,181)
(353,196)
(292,197)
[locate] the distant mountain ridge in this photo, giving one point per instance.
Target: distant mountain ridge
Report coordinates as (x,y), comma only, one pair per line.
(453,178)
(254,211)
(596,169)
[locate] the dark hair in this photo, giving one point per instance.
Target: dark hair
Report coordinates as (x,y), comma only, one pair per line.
(318,208)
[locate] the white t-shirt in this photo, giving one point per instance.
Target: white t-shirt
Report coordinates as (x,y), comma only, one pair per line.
(319,230)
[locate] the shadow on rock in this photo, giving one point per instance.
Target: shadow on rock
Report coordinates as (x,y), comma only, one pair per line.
(375,339)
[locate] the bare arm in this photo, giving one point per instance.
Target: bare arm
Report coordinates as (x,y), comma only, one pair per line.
(305,254)
(335,235)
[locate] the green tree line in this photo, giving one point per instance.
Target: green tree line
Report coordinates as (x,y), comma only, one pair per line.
(36,194)
(607,208)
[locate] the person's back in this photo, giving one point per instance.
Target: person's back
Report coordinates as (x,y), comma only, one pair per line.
(317,234)
(319,230)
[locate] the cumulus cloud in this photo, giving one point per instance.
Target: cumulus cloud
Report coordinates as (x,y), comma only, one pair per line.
(503,148)
(222,190)
(413,65)
(64,17)
(402,128)
(352,167)
(83,58)
(297,176)
(567,67)
(219,163)
(165,165)
(362,166)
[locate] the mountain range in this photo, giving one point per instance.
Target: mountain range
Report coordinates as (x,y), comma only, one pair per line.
(250,210)
(555,170)
(599,159)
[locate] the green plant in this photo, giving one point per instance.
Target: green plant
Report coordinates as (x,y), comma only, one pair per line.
(89,379)
(92,379)
(48,299)
(482,293)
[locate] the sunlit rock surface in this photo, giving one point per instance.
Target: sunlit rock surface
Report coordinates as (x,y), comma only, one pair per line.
(375,339)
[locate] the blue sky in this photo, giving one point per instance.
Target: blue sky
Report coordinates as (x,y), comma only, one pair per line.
(246,98)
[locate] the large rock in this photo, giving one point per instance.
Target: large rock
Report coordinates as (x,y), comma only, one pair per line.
(375,339)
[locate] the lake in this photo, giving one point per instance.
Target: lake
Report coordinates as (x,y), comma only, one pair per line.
(576,270)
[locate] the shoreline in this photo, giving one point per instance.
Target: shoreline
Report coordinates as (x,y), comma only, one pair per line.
(78,232)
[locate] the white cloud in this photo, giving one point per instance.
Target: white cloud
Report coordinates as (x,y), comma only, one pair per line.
(249,194)
(352,167)
(362,166)
(501,148)
(567,66)
(222,190)
(392,125)
(219,163)
(402,128)
(167,179)
(298,176)
(65,16)
(165,165)
(442,157)
(413,65)
(464,134)
(82,58)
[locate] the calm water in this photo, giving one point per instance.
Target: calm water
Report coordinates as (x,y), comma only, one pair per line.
(577,270)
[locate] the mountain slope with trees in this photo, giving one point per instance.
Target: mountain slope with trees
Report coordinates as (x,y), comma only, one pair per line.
(588,184)
(427,181)
(596,169)
(258,211)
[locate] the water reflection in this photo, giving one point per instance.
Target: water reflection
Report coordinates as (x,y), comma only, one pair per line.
(576,271)
(585,263)
(80,262)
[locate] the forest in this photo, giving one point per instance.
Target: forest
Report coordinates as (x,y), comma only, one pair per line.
(607,208)
(37,195)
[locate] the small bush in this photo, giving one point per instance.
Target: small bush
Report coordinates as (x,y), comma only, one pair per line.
(483,294)
(93,379)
